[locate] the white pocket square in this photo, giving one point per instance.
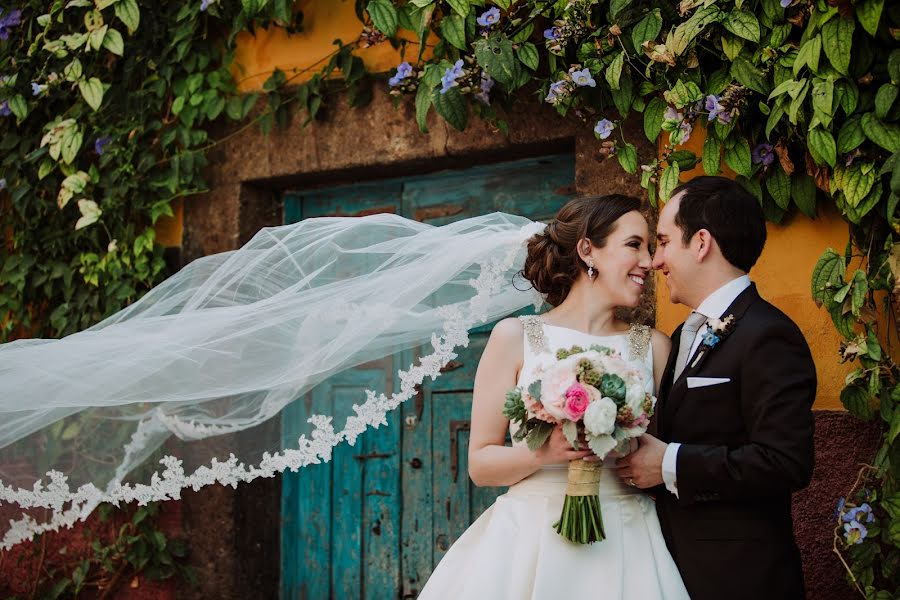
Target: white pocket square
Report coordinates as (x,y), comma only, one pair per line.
(696,382)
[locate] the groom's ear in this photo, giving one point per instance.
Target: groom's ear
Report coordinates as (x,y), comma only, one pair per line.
(703,241)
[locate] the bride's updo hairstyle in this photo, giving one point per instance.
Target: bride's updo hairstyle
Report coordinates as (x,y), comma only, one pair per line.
(553,265)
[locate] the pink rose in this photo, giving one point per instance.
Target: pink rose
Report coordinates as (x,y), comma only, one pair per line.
(577,400)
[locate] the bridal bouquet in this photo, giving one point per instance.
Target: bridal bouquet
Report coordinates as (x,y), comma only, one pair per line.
(594,391)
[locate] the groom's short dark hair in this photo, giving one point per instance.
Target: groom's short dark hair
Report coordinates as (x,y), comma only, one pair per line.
(733,217)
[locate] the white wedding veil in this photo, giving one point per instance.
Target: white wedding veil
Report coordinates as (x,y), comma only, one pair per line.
(171,392)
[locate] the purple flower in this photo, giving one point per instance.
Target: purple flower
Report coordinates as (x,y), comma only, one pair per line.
(486,84)
(450,75)
(583,78)
(4,109)
(37,88)
(716,110)
(861,513)
(2,184)
(8,22)
(763,155)
(840,507)
(786,3)
(551,33)
(100,143)
(204,4)
(558,89)
(404,70)
(855,532)
(604,128)
(489,17)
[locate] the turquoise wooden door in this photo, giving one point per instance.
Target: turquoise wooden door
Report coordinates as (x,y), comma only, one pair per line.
(374,521)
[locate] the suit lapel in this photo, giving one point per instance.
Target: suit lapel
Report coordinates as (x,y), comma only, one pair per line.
(678,388)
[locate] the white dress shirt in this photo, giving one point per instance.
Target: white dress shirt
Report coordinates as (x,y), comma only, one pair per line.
(714,307)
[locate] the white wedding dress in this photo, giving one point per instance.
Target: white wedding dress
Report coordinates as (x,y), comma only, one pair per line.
(512,552)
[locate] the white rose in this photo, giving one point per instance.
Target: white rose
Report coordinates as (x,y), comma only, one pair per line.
(600,417)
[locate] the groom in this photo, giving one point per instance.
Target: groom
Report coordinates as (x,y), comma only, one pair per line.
(734,416)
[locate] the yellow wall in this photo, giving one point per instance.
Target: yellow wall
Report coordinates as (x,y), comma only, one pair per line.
(301,55)
(783,276)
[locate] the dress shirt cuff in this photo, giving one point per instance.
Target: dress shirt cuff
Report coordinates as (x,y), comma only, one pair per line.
(670,460)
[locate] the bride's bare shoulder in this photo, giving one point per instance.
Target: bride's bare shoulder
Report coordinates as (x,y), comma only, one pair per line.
(508,331)
(660,341)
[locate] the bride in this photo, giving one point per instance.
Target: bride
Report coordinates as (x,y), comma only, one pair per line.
(591,259)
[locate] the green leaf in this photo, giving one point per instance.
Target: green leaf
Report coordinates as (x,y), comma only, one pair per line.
(18,106)
(856,400)
(646,29)
(113,42)
(779,186)
(742,24)
(884,100)
(539,435)
(828,274)
(90,213)
(855,181)
(92,92)
(868,12)
(502,4)
(628,158)
(774,118)
(803,191)
(453,29)
(822,146)
(848,94)
(732,46)
(860,289)
(679,39)
(808,55)
(614,70)
(616,7)
(712,155)
(686,159)
(528,54)
(668,181)
(178,105)
(495,55)
(851,135)
(624,96)
(71,144)
(653,118)
(570,430)
(737,156)
(885,135)
(749,76)
(128,12)
(461,7)
(837,41)
(893,64)
(452,106)
(891,436)
(822,100)
(384,16)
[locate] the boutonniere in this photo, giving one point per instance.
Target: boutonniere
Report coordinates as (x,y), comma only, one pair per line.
(716,331)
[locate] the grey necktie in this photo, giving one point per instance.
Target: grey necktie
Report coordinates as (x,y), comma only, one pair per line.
(688,332)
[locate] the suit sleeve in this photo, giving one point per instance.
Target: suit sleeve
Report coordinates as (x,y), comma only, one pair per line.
(778,387)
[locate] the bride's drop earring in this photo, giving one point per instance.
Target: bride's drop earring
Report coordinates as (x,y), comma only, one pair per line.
(591,269)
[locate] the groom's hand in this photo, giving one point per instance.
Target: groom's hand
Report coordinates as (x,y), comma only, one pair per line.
(643,467)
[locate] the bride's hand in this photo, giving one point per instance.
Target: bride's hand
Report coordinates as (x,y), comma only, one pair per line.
(558,450)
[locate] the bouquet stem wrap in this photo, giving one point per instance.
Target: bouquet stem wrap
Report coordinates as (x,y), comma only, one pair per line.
(581,520)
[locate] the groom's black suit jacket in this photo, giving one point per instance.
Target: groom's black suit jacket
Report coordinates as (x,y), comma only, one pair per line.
(747,444)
